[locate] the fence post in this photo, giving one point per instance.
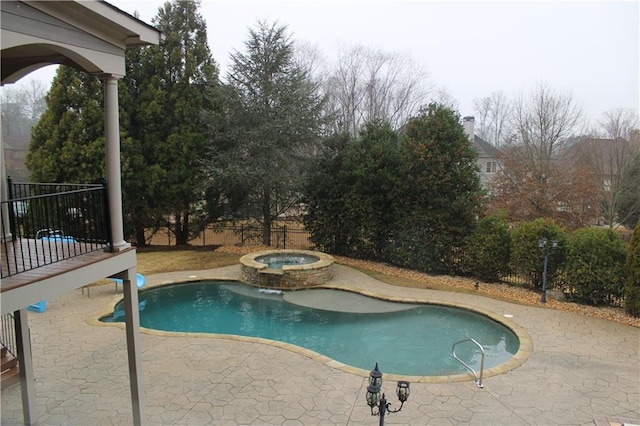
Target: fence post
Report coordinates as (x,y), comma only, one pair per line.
(284,237)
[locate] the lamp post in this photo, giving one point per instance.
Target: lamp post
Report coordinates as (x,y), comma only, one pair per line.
(375,400)
(543,244)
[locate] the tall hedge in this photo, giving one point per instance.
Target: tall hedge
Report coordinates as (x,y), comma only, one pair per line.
(632,285)
(438,192)
(486,252)
(527,258)
(594,267)
(406,197)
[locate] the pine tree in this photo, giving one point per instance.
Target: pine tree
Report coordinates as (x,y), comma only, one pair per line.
(67,143)
(177,82)
(440,191)
(273,125)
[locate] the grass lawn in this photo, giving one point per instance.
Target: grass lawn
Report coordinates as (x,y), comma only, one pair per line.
(158,261)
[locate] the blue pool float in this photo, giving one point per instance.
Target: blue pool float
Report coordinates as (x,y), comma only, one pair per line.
(141,281)
(55,236)
(38,307)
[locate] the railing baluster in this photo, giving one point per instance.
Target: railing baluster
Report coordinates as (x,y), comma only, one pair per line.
(65,214)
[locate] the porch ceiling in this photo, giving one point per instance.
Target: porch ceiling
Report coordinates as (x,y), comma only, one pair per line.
(89,35)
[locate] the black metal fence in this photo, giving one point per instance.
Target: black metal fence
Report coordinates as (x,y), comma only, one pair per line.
(283,236)
(294,236)
(52,222)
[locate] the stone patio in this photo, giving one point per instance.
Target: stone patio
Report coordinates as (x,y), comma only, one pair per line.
(582,371)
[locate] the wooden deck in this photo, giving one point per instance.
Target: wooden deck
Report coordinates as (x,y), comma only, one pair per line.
(26,261)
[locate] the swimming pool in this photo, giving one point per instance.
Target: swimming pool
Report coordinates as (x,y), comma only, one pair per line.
(408,339)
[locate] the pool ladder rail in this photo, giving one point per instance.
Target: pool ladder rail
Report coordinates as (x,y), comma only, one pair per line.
(477,380)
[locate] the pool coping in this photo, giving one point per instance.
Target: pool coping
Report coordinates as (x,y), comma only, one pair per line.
(324,259)
(519,358)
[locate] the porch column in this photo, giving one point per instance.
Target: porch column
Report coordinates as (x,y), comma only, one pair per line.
(4,195)
(25,360)
(134,350)
(112,142)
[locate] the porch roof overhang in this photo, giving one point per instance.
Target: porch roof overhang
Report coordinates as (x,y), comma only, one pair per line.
(91,36)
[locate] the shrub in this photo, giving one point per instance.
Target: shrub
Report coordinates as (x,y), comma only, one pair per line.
(527,258)
(594,266)
(632,285)
(487,250)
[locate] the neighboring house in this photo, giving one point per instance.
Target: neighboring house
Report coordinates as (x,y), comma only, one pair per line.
(15,153)
(91,36)
(487,153)
(606,157)
(607,160)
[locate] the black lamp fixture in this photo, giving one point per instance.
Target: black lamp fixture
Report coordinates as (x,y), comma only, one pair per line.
(545,245)
(377,402)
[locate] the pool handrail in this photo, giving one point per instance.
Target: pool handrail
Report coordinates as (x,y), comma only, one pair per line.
(477,381)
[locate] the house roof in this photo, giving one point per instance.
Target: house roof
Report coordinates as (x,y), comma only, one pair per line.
(608,155)
(16,142)
(484,149)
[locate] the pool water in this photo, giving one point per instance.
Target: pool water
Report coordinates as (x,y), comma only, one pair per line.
(274,261)
(413,340)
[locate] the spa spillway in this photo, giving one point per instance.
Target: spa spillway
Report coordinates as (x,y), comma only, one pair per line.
(286,269)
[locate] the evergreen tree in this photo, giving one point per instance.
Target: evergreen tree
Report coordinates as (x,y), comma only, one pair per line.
(409,199)
(142,178)
(67,143)
(629,209)
(632,284)
(439,191)
(274,116)
(594,266)
(487,250)
(376,165)
(330,218)
(177,80)
(349,194)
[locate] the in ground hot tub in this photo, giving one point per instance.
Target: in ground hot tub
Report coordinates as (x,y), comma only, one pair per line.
(286,269)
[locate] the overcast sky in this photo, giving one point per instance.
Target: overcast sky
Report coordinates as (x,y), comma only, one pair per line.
(588,49)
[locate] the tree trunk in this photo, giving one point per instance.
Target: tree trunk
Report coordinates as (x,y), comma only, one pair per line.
(182,229)
(141,240)
(266,216)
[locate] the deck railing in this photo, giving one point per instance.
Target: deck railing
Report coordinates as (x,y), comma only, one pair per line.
(48,223)
(8,333)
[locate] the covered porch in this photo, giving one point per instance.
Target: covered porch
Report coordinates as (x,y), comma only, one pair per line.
(56,237)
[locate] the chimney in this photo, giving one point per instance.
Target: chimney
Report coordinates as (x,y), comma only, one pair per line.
(468,123)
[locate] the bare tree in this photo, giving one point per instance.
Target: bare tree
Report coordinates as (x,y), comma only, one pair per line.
(534,181)
(609,151)
(444,97)
(493,114)
(368,85)
(615,161)
(22,106)
(33,96)
(619,122)
(542,123)
(308,56)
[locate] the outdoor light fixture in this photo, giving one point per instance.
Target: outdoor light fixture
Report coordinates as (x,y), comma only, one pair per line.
(376,400)
(543,244)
